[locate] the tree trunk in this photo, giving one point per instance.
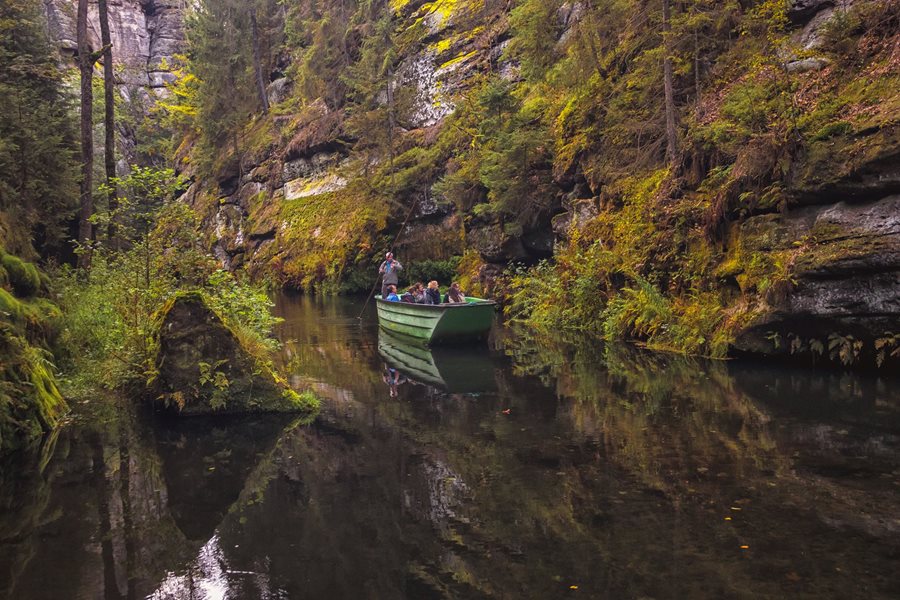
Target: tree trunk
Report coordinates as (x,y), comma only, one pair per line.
(391,124)
(109,121)
(698,92)
(671,132)
(86,66)
(257,62)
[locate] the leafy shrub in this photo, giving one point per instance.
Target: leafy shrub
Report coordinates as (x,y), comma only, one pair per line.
(108,326)
(444,271)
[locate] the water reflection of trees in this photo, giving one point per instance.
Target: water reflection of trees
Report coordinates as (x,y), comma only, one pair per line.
(629,458)
(613,471)
(663,416)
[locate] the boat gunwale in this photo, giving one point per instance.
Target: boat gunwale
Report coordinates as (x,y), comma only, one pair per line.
(442,306)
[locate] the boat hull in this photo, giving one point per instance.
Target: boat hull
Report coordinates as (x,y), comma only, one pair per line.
(452,369)
(437,323)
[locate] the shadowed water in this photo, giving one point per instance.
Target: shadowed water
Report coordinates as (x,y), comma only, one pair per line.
(531,468)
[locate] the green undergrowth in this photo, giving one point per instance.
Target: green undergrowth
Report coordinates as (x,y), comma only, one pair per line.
(244,312)
(30,400)
(636,273)
(107,328)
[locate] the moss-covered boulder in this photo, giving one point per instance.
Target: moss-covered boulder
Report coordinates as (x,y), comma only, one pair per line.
(203,367)
(30,402)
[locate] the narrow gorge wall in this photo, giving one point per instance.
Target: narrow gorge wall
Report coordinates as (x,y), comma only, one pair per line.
(146,34)
(783,217)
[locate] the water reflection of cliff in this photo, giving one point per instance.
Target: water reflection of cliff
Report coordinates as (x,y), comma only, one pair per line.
(109,508)
(615,472)
(623,473)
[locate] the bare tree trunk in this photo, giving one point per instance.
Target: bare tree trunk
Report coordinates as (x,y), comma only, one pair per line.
(109,121)
(86,66)
(671,131)
(391,123)
(698,91)
(257,62)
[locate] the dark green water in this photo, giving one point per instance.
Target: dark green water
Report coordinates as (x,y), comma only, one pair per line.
(531,469)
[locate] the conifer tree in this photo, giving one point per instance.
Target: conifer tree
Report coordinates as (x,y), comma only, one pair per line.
(232,44)
(376,103)
(86,67)
(109,118)
(38,185)
(322,42)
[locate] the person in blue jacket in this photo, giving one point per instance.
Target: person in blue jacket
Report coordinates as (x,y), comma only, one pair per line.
(392,294)
(389,273)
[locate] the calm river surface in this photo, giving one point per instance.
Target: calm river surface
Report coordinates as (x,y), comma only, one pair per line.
(526,469)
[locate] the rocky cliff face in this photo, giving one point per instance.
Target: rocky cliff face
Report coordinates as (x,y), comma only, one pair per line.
(841,243)
(306,160)
(812,264)
(145,36)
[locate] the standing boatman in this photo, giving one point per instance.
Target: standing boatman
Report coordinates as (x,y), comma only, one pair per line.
(388,270)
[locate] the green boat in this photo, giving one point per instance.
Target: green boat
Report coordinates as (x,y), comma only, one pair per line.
(452,369)
(438,323)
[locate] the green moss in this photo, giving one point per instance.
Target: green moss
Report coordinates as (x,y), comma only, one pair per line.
(30,402)
(10,307)
(463,57)
(48,401)
(833,129)
(321,235)
(23,276)
(307,401)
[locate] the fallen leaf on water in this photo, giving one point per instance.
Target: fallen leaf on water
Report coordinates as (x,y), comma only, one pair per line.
(727,518)
(507,411)
(745,547)
(736,508)
(573,587)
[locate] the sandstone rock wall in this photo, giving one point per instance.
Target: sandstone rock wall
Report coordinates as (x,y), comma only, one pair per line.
(841,242)
(836,224)
(145,36)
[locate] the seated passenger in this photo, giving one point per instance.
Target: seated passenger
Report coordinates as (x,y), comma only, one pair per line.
(392,294)
(409,295)
(419,293)
(454,295)
(432,294)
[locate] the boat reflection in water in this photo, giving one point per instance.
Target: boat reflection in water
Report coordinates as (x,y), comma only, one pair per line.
(457,370)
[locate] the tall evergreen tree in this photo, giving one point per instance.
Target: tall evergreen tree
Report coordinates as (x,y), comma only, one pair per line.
(669,86)
(323,41)
(109,115)
(376,102)
(232,47)
(37,165)
(86,67)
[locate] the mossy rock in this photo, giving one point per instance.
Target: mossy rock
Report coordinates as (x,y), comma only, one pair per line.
(30,402)
(203,368)
(23,277)
(10,307)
